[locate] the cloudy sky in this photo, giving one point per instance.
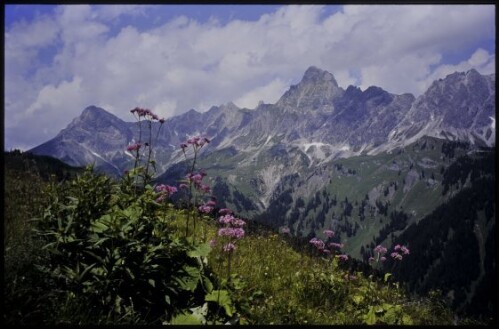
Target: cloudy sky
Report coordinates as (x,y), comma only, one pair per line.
(171,58)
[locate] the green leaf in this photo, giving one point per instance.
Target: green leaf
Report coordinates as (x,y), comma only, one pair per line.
(207,284)
(152,282)
(407,320)
(200,312)
(387,275)
(222,298)
(201,250)
(370,317)
(186,319)
(98,227)
(190,281)
(357,299)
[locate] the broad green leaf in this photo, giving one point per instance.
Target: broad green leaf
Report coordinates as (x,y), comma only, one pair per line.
(407,320)
(370,317)
(201,250)
(387,275)
(152,282)
(98,227)
(186,319)
(207,284)
(357,299)
(190,281)
(222,298)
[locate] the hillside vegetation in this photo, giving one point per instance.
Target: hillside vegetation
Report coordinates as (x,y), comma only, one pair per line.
(107,252)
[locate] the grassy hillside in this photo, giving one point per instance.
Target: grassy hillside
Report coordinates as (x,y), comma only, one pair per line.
(113,255)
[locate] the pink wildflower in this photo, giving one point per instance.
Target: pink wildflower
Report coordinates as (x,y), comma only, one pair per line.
(213,242)
(285,230)
(380,249)
(371,259)
(238,222)
(183,185)
(205,209)
(166,189)
(229,247)
(343,257)
(183,145)
(134,147)
(326,251)
(383,258)
(211,203)
(397,247)
(328,233)
(318,243)
(227,219)
(396,255)
(225,211)
(336,245)
(237,233)
(405,250)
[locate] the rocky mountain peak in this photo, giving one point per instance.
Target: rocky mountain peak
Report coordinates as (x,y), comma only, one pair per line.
(316,75)
(315,91)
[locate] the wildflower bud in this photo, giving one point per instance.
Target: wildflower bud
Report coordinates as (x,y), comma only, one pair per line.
(229,247)
(343,257)
(328,233)
(225,211)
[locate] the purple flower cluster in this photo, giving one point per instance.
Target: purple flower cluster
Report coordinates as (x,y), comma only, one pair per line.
(343,257)
(196,141)
(285,230)
(318,243)
(335,245)
(229,247)
(380,250)
(232,228)
(399,251)
(397,254)
(165,191)
(328,233)
(321,246)
(134,147)
(234,232)
(196,180)
(147,114)
(207,207)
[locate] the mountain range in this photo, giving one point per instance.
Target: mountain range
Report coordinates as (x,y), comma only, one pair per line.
(375,167)
(316,118)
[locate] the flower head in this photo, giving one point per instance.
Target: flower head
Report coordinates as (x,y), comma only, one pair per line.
(134,147)
(405,250)
(335,245)
(205,208)
(229,247)
(343,257)
(328,233)
(396,255)
(318,243)
(285,230)
(225,211)
(380,249)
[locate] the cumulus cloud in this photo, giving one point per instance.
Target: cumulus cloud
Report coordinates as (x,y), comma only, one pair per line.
(81,55)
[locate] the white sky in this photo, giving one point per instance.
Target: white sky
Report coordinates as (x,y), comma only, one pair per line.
(59,61)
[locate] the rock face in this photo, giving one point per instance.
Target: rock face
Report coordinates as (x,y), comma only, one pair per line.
(315,118)
(459,107)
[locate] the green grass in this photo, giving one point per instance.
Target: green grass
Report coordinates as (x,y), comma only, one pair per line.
(273,279)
